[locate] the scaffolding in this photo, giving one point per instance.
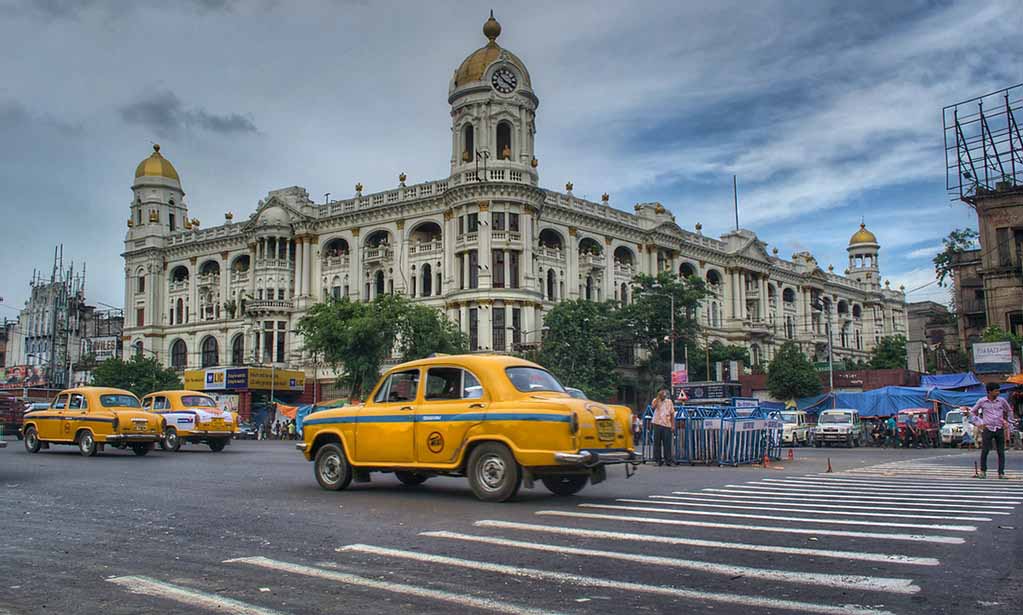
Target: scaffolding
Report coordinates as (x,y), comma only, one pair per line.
(983,144)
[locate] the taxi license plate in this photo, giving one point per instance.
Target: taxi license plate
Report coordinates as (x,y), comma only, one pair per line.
(217,423)
(605,429)
(139,425)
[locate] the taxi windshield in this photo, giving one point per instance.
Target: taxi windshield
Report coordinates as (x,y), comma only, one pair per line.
(954,417)
(118,400)
(840,417)
(197,401)
(788,417)
(533,379)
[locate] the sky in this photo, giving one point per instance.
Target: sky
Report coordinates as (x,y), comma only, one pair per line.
(828,112)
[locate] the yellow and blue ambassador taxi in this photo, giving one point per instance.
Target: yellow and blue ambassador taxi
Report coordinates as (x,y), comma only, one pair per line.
(498,420)
(190,416)
(92,418)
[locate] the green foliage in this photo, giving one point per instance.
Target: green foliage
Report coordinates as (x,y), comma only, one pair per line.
(140,375)
(994,333)
(579,346)
(791,375)
(890,353)
(356,337)
(958,241)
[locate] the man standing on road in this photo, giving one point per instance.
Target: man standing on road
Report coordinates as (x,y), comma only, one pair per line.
(994,417)
(891,431)
(664,422)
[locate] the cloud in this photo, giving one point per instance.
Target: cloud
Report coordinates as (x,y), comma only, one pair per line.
(925,252)
(55,10)
(164,114)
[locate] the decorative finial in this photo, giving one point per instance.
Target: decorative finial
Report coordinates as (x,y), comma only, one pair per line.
(156,148)
(902,288)
(775,251)
(229,216)
(401,179)
(699,227)
(130,223)
(568,186)
(491,29)
(605,197)
(358,189)
(887,283)
(195,222)
(534,162)
(831,268)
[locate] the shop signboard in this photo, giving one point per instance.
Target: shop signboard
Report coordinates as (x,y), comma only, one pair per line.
(992,357)
(244,378)
(102,348)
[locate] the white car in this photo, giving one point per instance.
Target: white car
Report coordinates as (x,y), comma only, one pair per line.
(795,428)
(841,425)
(952,428)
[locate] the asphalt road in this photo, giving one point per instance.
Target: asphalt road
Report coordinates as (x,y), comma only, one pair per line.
(249,531)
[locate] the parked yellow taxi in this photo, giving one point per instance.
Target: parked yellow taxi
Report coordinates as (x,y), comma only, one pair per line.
(92,418)
(498,420)
(191,417)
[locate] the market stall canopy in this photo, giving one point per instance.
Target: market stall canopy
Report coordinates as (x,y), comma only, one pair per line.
(887,401)
(1015,379)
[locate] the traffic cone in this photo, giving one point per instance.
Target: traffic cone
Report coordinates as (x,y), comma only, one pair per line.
(828,471)
(767,462)
(792,454)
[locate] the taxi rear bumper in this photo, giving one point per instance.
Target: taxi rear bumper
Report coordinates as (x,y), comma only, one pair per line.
(590,457)
(132,438)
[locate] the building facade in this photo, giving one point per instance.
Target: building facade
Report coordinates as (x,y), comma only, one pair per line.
(487,245)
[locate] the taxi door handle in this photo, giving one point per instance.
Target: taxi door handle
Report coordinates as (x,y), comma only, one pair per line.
(405,408)
(477,405)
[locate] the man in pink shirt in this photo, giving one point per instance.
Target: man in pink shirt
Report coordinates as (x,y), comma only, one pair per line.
(993,416)
(664,428)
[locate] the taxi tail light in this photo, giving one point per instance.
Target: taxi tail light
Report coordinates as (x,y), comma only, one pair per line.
(573,424)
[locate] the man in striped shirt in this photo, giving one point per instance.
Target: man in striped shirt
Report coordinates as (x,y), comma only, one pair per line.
(994,417)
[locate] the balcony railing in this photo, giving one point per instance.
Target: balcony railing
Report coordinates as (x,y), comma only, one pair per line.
(551,253)
(179,285)
(382,253)
(208,279)
(591,260)
(426,247)
(240,277)
(269,305)
(625,269)
(273,263)
(335,263)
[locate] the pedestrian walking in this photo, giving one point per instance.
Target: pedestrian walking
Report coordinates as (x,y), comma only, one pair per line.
(993,416)
(291,430)
(664,423)
(891,429)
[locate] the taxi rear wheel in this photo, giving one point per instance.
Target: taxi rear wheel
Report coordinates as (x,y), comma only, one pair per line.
(171,441)
(494,475)
(410,478)
(331,467)
(141,449)
(87,444)
(32,440)
(217,445)
(565,484)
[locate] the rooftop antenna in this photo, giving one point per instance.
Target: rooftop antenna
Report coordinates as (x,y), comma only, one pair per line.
(735,200)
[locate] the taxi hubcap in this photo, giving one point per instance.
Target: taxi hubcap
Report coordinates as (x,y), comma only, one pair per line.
(171,438)
(491,472)
(30,439)
(86,441)
(330,469)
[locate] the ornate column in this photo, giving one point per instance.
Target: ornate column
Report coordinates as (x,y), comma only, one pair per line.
(764,305)
(311,266)
(299,283)
(358,284)
(448,238)
(486,323)
(253,249)
(485,260)
(609,270)
(225,284)
(572,256)
(526,265)
(401,281)
(193,292)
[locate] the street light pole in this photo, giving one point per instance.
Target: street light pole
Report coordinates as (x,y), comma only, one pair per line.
(831,363)
(671,368)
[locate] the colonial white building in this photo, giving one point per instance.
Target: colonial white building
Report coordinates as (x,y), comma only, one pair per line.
(487,245)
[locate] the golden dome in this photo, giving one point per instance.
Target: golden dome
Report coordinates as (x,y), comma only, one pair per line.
(474,66)
(863,236)
(156,166)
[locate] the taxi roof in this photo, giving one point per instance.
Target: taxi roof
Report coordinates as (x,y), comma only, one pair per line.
(176,392)
(471,361)
(97,391)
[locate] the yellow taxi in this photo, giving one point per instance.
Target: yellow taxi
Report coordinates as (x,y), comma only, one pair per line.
(497,420)
(193,417)
(92,418)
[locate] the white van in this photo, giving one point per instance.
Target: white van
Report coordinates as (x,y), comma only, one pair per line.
(838,425)
(795,428)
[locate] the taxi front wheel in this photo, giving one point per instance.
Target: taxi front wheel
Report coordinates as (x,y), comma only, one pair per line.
(32,440)
(332,469)
(87,444)
(565,484)
(171,441)
(218,445)
(494,475)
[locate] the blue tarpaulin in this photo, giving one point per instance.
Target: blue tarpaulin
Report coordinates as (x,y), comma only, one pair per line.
(887,401)
(949,381)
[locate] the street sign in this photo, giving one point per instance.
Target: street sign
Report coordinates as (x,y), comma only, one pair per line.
(992,357)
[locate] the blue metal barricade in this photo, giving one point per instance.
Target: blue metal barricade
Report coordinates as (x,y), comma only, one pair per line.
(750,437)
(720,435)
(699,434)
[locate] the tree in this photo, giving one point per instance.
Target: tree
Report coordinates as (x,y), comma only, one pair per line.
(791,375)
(140,375)
(957,242)
(355,338)
(890,353)
(579,346)
(994,333)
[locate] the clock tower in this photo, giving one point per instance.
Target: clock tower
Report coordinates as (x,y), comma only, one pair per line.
(493,112)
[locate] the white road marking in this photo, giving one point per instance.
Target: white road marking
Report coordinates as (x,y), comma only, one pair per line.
(778,491)
(916,494)
(953,473)
(704,504)
(727,493)
(882,490)
(854,582)
(970,485)
(147,586)
(485,604)
(712,544)
(714,513)
(707,497)
(590,581)
(948,540)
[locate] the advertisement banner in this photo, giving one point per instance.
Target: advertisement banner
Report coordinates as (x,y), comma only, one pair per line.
(244,378)
(19,376)
(215,379)
(679,376)
(102,347)
(228,402)
(992,357)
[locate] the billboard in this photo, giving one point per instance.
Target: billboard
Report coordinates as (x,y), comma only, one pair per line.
(679,375)
(104,348)
(19,376)
(992,357)
(244,378)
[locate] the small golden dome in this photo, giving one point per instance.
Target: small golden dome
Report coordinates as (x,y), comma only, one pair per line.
(474,66)
(156,166)
(569,186)
(863,236)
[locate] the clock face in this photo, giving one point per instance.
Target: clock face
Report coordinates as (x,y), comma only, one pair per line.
(504,81)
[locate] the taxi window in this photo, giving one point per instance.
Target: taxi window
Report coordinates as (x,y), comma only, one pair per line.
(532,379)
(197,401)
(451,383)
(471,389)
(400,387)
(160,403)
(147,403)
(59,402)
(78,402)
(113,400)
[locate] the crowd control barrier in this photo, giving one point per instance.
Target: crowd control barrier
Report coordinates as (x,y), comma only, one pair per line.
(721,435)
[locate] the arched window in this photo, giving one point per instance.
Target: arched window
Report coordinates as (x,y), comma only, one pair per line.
(426,287)
(238,350)
(179,355)
(686,270)
(714,280)
(141,282)
(504,151)
(468,144)
(379,283)
(589,288)
(210,352)
(138,348)
(551,284)
(754,352)
(788,295)
(714,317)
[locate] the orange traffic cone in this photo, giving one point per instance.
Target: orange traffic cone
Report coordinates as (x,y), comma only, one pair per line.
(828,471)
(767,462)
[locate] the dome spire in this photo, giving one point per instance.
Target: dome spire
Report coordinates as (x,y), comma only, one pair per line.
(492,29)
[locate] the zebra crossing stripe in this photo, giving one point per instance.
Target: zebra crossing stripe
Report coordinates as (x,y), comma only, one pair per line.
(147,586)
(971,485)
(704,504)
(631,537)
(591,581)
(705,497)
(462,600)
(857,491)
(727,493)
(948,540)
(885,498)
(866,522)
(880,490)
(838,581)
